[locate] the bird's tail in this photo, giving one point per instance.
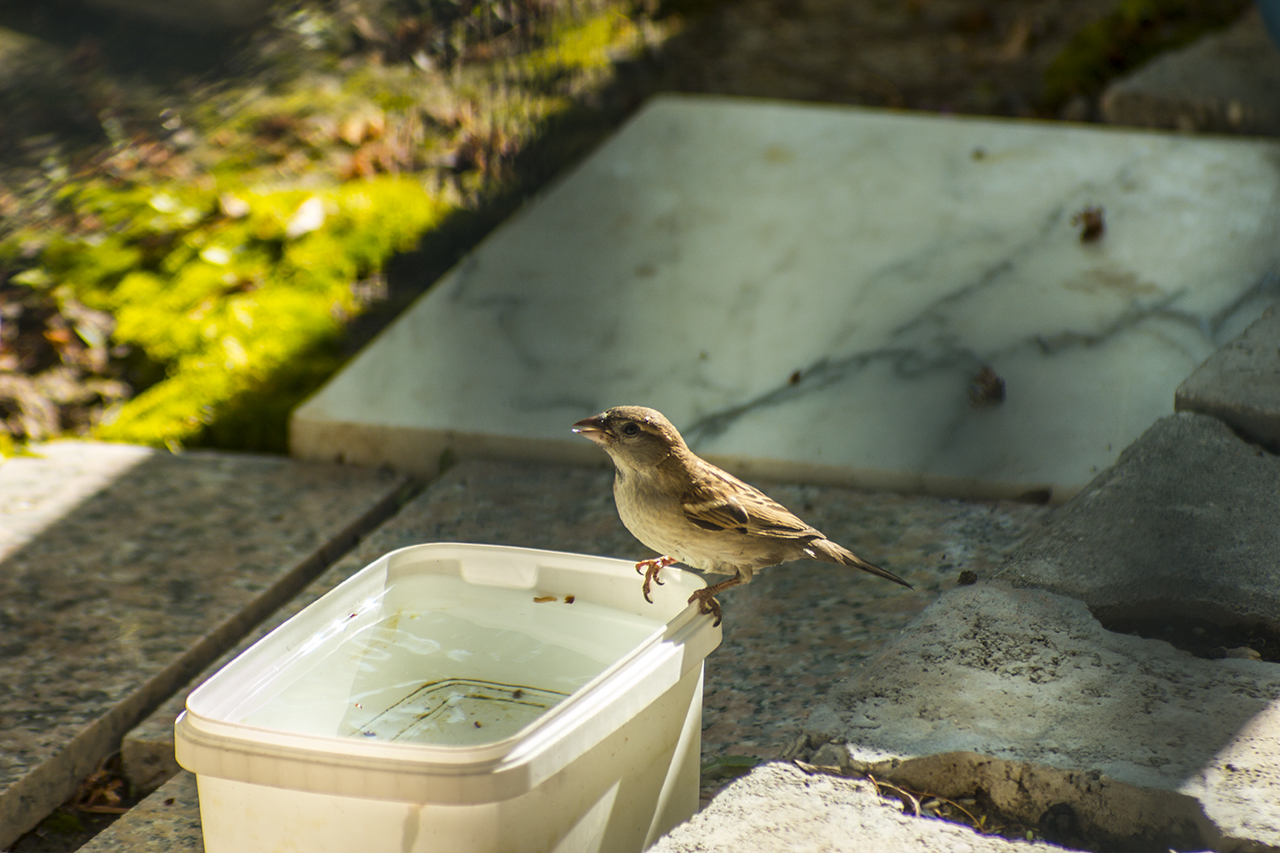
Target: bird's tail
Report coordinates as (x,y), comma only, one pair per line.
(828,551)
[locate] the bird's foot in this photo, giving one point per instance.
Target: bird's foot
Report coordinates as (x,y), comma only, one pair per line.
(706,597)
(650,569)
(707,602)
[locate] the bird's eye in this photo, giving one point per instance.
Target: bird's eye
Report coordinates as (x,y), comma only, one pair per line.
(631,430)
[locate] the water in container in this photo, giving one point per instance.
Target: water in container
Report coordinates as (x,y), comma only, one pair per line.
(436,660)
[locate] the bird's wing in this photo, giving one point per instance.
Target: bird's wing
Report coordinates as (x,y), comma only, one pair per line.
(717,501)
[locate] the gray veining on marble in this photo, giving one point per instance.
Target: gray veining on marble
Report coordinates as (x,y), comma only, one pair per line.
(809,293)
(110,607)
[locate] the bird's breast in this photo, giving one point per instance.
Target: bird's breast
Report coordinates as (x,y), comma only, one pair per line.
(656,517)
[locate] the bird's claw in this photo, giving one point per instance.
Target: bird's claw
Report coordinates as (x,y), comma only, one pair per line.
(650,569)
(707,603)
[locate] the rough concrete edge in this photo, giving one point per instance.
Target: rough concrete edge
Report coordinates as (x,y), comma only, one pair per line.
(1108,809)
(1112,812)
(856,815)
(1127,101)
(1249,420)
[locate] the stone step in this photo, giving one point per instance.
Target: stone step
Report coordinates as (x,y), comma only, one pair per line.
(126,570)
(1021,698)
(167,821)
(787,634)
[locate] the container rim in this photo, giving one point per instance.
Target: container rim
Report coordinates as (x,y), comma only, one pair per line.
(496,770)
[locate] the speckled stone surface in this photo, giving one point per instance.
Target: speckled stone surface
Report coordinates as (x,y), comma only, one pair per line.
(37,490)
(788,635)
(128,570)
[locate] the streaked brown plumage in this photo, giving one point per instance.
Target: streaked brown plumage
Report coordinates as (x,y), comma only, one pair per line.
(692,512)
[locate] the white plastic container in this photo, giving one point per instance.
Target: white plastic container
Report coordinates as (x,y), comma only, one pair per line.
(454,697)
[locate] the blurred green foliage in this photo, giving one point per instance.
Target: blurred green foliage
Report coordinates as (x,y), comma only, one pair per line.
(232,269)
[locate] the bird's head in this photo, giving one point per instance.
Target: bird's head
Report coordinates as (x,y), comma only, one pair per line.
(636,437)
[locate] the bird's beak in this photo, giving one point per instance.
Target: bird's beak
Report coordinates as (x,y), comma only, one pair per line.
(592,428)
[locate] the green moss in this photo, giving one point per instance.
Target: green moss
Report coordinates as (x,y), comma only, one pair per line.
(582,46)
(226,304)
(236,312)
(1132,34)
(62,823)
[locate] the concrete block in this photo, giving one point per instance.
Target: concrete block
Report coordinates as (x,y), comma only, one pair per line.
(1240,383)
(1228,82)
(1186,525)
(778,807)
(1022,698)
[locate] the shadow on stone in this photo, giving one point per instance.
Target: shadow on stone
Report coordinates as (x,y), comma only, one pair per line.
(131,575)
(1196,628)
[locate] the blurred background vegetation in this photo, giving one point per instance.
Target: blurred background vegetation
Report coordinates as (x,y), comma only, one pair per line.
(199,224)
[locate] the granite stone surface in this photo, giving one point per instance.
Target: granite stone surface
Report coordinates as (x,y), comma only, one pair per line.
(127,571)
(1240,383)
(788,635)
(833,295)
(38,490)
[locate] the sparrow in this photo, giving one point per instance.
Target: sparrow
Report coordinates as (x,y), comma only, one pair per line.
(694,513)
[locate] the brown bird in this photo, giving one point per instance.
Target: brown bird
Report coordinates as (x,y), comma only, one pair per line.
(692,512)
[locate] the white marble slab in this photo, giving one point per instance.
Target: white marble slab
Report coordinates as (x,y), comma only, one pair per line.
(807,292)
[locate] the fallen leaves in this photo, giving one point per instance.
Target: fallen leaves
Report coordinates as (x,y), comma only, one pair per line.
(56,369)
